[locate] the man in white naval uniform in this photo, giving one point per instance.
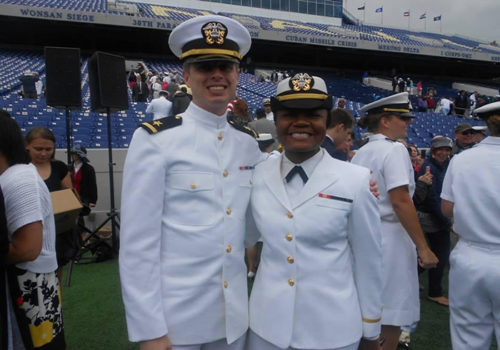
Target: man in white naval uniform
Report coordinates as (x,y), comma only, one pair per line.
(471,195)
(160,107)
(186,188)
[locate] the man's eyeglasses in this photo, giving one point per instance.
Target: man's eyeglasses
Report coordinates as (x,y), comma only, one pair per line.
(209,66)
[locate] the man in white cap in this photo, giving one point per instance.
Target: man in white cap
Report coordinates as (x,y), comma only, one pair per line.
(266,103)
(186,189)
(471,196)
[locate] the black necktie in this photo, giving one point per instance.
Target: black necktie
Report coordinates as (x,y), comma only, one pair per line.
(296,170)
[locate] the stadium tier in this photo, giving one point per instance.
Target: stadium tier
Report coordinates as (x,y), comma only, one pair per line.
(89,128)
(153,16)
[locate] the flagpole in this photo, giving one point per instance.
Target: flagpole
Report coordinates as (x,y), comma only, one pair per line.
(409,14)
(382,16)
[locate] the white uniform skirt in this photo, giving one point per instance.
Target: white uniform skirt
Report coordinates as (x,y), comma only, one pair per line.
(401,304)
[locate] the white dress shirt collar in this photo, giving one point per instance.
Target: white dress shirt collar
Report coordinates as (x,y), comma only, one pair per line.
(204,117)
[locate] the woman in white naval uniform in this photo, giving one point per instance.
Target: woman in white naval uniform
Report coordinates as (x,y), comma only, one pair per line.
(319,282)
(471,194)
(388,119)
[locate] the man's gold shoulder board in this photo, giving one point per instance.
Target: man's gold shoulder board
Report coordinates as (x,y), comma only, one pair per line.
(155,126)
(242,128)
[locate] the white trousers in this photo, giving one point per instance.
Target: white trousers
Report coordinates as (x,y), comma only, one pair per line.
(255,342)
(220,344)
(474,295)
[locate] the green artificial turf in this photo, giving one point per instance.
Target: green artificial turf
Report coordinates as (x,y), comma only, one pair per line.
(94,316)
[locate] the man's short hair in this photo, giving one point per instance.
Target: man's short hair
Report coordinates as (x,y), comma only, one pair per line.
(260,113)
(340,116)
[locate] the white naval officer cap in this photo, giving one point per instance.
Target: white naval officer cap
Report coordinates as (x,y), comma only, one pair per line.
(210,38)
(488,110)
(264,137)
(397,104)
(302,91)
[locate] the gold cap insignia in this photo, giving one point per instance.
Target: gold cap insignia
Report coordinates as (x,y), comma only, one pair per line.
(214,33)
(301,82)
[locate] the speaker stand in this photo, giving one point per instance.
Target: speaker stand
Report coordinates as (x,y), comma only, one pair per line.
(68,135)
(112,214)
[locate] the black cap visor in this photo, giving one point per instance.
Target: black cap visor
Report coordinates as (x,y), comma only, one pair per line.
(301,103)
(209,58)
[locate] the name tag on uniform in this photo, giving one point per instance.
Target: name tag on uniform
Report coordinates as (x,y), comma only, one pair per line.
(247,167)
(329,196)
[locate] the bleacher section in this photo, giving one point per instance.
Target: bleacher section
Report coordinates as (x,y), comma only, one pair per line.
(167,17)
(89,128)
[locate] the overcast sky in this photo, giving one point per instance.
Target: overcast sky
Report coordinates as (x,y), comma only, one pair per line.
(479,19)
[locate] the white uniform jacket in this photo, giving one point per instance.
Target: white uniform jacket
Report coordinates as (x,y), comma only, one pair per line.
(160,107)
(319,282)
(184,200)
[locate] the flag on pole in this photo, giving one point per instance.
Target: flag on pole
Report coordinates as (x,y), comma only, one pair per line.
(362,8)
(380,9)
(406,13)
(423,16)
(437,18)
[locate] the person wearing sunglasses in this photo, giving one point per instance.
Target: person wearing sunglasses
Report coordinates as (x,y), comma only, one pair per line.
(463,138)
(186,189)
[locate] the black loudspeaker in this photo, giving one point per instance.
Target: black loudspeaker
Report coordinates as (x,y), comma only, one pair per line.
(63,78)
(108,82)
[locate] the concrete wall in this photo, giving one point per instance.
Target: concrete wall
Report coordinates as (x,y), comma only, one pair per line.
(482,90)
(99,160)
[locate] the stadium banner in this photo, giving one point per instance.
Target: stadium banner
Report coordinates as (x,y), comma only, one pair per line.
(168,18)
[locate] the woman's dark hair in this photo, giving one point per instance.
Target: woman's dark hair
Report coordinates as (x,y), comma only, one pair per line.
(493,123)
(11,141)
(41,132)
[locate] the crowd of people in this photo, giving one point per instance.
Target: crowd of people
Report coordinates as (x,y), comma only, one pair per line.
(344,234)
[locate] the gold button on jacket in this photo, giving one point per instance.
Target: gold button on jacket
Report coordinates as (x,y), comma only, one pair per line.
(290,259)
(229,248)
(291,282)
(226,284)
(289,237)
(225,173)
(289,214)
(228,211)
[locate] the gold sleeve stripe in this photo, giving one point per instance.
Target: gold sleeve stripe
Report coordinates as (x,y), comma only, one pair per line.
(150,127)
(371,320)
(211,52)
(302,96)
(402,110)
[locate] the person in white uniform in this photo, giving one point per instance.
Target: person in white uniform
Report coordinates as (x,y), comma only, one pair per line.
(186,189)
(388,120)
(160,107)
(471,196)
(319,283)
